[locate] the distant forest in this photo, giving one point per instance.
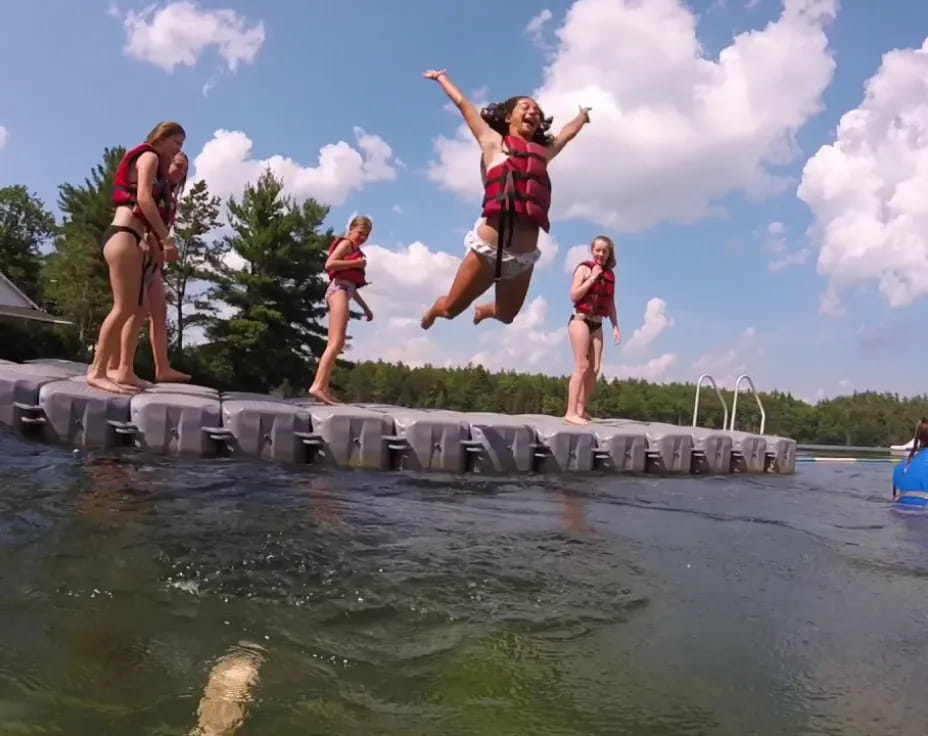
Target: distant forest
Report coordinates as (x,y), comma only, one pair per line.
(272,329)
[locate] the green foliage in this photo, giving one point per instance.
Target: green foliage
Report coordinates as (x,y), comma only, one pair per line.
(25,225)
(76,277)
(865,419)
(197,216)
(275,298)
(263,321)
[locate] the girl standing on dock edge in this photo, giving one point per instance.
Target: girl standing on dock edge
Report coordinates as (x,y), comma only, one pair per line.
(515,150)
(138,198)
(593,295)
(345,265)
(155,301)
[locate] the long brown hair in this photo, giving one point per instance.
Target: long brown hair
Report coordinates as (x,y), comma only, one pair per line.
(610,259)
(165,129)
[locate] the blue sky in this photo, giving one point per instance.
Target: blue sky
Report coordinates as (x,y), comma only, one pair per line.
(755,234)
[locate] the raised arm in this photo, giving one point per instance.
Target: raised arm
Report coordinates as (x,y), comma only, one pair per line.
(569,132)
(146,167)
(337,261)
(484,134)
(583,281)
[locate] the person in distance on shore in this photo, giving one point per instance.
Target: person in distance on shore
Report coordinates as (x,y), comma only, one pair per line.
(593,295)
(140,208)
(515,149)
(345,265)
(155,302)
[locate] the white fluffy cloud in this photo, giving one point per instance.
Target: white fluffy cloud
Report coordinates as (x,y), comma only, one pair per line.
(4,136)
(403,284)
(654,370)
(574,256)
(178,33)
(777,246)
(526,345)
(536,26)
(657,368)
(727,363)
(867,189)
(656,320)
(680,132)
(227,165)
(548,247)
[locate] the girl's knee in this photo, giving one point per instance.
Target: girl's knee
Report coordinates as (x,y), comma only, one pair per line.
(123,312)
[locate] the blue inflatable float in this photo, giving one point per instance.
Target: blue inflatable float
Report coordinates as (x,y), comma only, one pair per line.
(910,481)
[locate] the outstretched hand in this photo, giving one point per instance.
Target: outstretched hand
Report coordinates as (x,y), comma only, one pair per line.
(433,73)
(585,112)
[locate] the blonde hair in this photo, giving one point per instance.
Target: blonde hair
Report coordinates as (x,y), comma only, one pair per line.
(610,259)
(361,221)
(165,129)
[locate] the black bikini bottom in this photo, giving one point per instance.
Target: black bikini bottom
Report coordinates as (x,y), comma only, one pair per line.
(591,325)
(148,265)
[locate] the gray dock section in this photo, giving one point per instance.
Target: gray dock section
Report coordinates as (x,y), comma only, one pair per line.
(49,400)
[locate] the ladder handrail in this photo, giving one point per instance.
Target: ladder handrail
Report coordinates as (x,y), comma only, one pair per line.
(718,393)
(734,403)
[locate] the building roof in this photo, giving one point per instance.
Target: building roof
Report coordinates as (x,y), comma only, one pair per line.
(13,303)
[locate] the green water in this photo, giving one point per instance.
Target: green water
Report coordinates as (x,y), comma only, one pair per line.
(414,605)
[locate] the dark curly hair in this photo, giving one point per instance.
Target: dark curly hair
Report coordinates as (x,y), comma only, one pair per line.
(495,115)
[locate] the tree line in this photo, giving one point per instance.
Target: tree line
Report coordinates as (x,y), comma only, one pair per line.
(252,285)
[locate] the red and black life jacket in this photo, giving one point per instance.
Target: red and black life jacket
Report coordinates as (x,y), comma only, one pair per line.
(351,275)
(598,298)
(125,192)
(520,183)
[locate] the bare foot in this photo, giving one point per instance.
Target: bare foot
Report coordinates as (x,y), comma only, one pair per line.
(172,376)
(482,312)
(106,384)
(575,419)
(586,415)
(127,379)
(321,395)
(428,319)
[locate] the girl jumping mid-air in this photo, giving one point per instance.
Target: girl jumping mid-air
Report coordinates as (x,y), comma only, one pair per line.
(154,301)
(503,245)
(345,265)
(140,208)
(593,295)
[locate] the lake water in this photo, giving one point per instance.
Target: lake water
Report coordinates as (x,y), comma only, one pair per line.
(141,594)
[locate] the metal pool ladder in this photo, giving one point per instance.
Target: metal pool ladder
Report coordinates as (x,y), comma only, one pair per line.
(734,402)
(736,454)
(711,380)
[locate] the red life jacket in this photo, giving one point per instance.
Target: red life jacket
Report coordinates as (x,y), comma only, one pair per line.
(351,275)
(520,183)
(125,193)
(598,298)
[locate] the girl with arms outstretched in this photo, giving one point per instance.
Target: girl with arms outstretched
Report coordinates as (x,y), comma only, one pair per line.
(515,150)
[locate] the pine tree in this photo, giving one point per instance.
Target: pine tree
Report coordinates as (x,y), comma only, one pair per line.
(76,277)
(270,332)
(197,216)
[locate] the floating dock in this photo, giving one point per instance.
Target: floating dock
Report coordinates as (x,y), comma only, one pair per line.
(49,400)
